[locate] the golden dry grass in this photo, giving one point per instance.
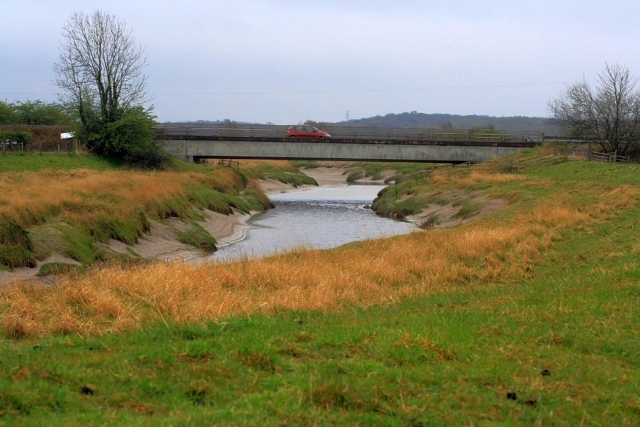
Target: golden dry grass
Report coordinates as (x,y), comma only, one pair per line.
(30,198)
(473,176)
(262,164)
(373,272)
(476,177)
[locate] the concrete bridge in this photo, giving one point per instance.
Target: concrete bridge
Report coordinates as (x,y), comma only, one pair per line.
(197,143)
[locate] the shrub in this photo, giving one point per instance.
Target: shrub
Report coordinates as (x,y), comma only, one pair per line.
(130,139)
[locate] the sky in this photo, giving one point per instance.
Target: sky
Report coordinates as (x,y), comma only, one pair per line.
(287,61)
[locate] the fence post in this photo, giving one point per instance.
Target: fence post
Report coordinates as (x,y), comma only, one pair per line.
(589,151)
(566,151)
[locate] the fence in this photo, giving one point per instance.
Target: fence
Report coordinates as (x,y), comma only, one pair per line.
(609,158)
(229,163)
(44,139)
(9,145)
(499,165)
(586,152)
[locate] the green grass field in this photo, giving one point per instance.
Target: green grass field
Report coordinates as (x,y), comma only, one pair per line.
(34,162)
(560,347)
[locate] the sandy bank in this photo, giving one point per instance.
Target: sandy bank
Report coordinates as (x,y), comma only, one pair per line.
(161,243)
(325,177)
(328,176)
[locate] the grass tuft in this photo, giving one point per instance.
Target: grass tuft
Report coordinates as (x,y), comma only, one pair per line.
(58,268)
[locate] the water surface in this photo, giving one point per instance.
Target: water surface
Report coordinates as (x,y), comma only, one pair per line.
(318,218)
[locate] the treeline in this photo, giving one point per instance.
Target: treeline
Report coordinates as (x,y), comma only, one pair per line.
(516,124)
(35,113)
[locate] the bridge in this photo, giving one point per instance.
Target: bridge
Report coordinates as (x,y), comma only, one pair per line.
(194,143)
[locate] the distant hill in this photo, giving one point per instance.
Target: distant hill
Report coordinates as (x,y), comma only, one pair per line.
(514,124)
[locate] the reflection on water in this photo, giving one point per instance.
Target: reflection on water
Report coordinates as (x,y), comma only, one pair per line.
(317,218)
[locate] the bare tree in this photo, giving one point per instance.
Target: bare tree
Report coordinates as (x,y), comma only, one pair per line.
(609,113)
(100,73)
(100,67)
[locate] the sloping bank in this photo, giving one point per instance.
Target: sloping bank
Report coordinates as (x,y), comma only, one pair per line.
(53,221)
(407,195)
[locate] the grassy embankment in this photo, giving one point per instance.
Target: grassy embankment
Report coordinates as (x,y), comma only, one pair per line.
(528,316)
(74,204)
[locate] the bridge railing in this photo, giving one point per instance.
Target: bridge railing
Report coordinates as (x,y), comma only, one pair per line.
(222,131)
(430,134)
(348,132)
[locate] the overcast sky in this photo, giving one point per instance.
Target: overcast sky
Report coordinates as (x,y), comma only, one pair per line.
(285,61)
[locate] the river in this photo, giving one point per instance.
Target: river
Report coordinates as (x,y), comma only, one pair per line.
(317,218)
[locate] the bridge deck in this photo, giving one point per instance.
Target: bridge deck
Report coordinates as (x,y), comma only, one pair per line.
(418,151)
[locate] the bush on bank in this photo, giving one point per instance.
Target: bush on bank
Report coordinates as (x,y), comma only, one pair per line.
(127,138)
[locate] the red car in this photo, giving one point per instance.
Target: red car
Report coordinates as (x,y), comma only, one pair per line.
(306,131)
